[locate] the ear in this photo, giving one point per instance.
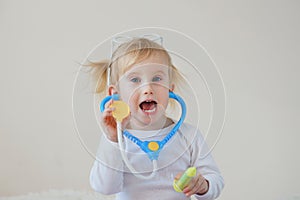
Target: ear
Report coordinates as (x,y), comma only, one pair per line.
(112,90)
(172,86)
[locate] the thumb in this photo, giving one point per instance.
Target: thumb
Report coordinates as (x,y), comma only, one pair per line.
(177,177)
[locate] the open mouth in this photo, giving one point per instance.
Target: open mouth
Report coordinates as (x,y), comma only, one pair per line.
(148,106)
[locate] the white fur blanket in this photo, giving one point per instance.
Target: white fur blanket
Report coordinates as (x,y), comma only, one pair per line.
(60,195)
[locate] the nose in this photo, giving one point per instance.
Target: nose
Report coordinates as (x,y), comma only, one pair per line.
(147,89)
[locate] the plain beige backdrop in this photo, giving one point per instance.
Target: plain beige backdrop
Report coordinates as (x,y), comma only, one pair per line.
(255,44)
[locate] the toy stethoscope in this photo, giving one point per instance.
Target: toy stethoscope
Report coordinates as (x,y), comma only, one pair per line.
(151,148)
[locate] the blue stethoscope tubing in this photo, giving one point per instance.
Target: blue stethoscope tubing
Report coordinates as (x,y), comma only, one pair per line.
(153,155)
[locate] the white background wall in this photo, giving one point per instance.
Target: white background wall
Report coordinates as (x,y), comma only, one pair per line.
(255,44)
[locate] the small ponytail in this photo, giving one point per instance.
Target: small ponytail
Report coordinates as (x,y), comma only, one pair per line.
(98,71)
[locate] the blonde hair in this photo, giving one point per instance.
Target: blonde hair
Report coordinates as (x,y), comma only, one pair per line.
(124,57)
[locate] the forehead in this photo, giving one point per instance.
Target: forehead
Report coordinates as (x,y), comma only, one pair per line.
(155,62)
(148,69)
(158,58)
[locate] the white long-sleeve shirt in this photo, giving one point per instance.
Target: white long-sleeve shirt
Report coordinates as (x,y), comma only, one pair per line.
(109,174)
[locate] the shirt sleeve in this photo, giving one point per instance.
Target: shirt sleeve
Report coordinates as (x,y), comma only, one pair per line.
(207,167)
(106,175)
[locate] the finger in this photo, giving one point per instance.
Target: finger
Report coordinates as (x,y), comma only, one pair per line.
(109,110)
(108,120)
(189,193)
(194,188)
(199,186)
(177,177)
(189,187)
(108,104)
(194,185)
(203,187)
(107,117)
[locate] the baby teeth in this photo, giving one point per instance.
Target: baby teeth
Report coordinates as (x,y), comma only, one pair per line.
(150,111)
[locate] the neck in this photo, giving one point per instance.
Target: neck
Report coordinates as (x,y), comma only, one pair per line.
(165,122)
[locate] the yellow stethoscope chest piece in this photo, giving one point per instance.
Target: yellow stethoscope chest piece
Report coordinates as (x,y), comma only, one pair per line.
(153,146)
(121,110)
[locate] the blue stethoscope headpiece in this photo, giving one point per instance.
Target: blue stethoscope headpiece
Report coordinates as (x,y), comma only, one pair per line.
(151,148)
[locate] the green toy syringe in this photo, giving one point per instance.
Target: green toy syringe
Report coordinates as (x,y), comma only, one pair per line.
(184,180)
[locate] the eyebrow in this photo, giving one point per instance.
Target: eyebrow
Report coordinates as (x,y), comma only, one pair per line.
(161,72)
(132,74)
(137,73)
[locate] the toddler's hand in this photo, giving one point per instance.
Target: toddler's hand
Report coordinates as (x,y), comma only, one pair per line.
(109,123)
(198,185)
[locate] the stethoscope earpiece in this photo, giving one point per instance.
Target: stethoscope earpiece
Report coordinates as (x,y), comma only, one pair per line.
(114,97)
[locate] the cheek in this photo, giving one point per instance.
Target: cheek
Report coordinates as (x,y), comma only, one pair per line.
(130,97)
(125,91)
(166,100)
(133,103)
(163,95)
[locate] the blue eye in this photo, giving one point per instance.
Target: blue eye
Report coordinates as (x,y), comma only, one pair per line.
(135,80)
(156,78)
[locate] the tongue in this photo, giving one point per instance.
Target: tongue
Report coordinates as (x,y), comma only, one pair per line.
(148,105)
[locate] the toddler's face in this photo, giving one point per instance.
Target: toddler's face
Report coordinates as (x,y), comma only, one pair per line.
(145,88)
